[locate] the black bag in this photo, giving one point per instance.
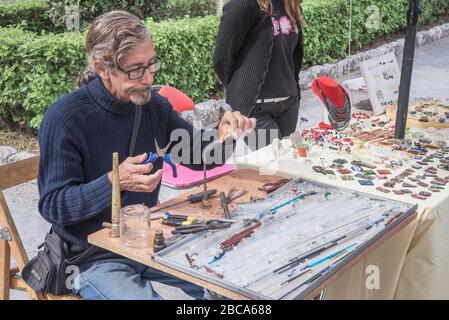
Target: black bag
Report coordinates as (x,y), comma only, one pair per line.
(46,273)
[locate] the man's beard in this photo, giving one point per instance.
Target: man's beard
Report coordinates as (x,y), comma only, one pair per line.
(140,97)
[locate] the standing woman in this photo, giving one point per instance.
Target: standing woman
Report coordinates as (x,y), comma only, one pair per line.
(258,56)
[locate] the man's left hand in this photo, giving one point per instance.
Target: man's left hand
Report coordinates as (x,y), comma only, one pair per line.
(235,125)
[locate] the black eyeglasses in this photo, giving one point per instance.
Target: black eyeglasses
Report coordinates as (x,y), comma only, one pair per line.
(137,73)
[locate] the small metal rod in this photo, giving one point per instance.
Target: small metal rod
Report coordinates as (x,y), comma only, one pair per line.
(205,203)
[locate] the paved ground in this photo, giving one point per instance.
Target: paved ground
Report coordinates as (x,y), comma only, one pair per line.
(430,78)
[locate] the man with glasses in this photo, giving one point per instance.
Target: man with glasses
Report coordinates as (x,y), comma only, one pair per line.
(115,111)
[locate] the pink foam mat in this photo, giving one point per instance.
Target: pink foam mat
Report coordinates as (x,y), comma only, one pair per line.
(188,178)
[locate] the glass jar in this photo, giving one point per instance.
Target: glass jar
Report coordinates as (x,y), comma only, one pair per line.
(135,226)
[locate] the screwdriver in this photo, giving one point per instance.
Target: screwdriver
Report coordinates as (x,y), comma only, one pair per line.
(178,219)
(193,198)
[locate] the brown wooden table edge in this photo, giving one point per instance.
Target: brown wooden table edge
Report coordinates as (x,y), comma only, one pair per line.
(150,262)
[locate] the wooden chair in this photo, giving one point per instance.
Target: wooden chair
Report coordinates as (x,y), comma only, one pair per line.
(10,243)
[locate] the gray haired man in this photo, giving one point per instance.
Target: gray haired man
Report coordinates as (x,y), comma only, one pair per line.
(80,132)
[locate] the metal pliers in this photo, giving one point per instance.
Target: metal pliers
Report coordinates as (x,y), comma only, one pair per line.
(272,186)
(162,153)
(213,224)
(233,194)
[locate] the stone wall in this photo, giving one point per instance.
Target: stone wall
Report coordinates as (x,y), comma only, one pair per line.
(10,155)
(351,63)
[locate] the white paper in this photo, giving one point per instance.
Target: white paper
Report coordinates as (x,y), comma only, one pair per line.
(382,78)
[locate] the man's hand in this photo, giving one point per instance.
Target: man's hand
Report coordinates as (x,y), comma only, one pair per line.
(236,125)
(133,175)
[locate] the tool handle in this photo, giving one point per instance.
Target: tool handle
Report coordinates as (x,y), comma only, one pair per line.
(116,200)
(189,229)
(197,197)
(175,216)
(168,160)
(224,204)
(179,223)
(152,157)
(179,217)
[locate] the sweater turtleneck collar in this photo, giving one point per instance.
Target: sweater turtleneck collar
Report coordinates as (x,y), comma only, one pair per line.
(106,100)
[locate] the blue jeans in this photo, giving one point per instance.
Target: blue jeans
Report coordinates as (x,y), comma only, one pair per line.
(120,278)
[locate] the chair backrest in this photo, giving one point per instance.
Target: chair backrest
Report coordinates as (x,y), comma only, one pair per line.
(179,100)
(18,172)
(12,175)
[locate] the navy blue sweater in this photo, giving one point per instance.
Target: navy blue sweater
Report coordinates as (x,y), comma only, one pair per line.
(77,137)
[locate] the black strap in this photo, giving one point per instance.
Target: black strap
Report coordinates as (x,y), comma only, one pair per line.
(136,126)
(82,256)
(91,250)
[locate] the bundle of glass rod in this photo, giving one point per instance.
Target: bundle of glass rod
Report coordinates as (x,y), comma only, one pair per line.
(338,105)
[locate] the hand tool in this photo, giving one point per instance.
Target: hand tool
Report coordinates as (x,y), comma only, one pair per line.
(205,204)
(212,224)
(159,241)
(226,200)
(178,217)
(115,227)
(233,194)
(162,153)
(179,223)
(179,220)
(271,186)
(193,198)
(224,205)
